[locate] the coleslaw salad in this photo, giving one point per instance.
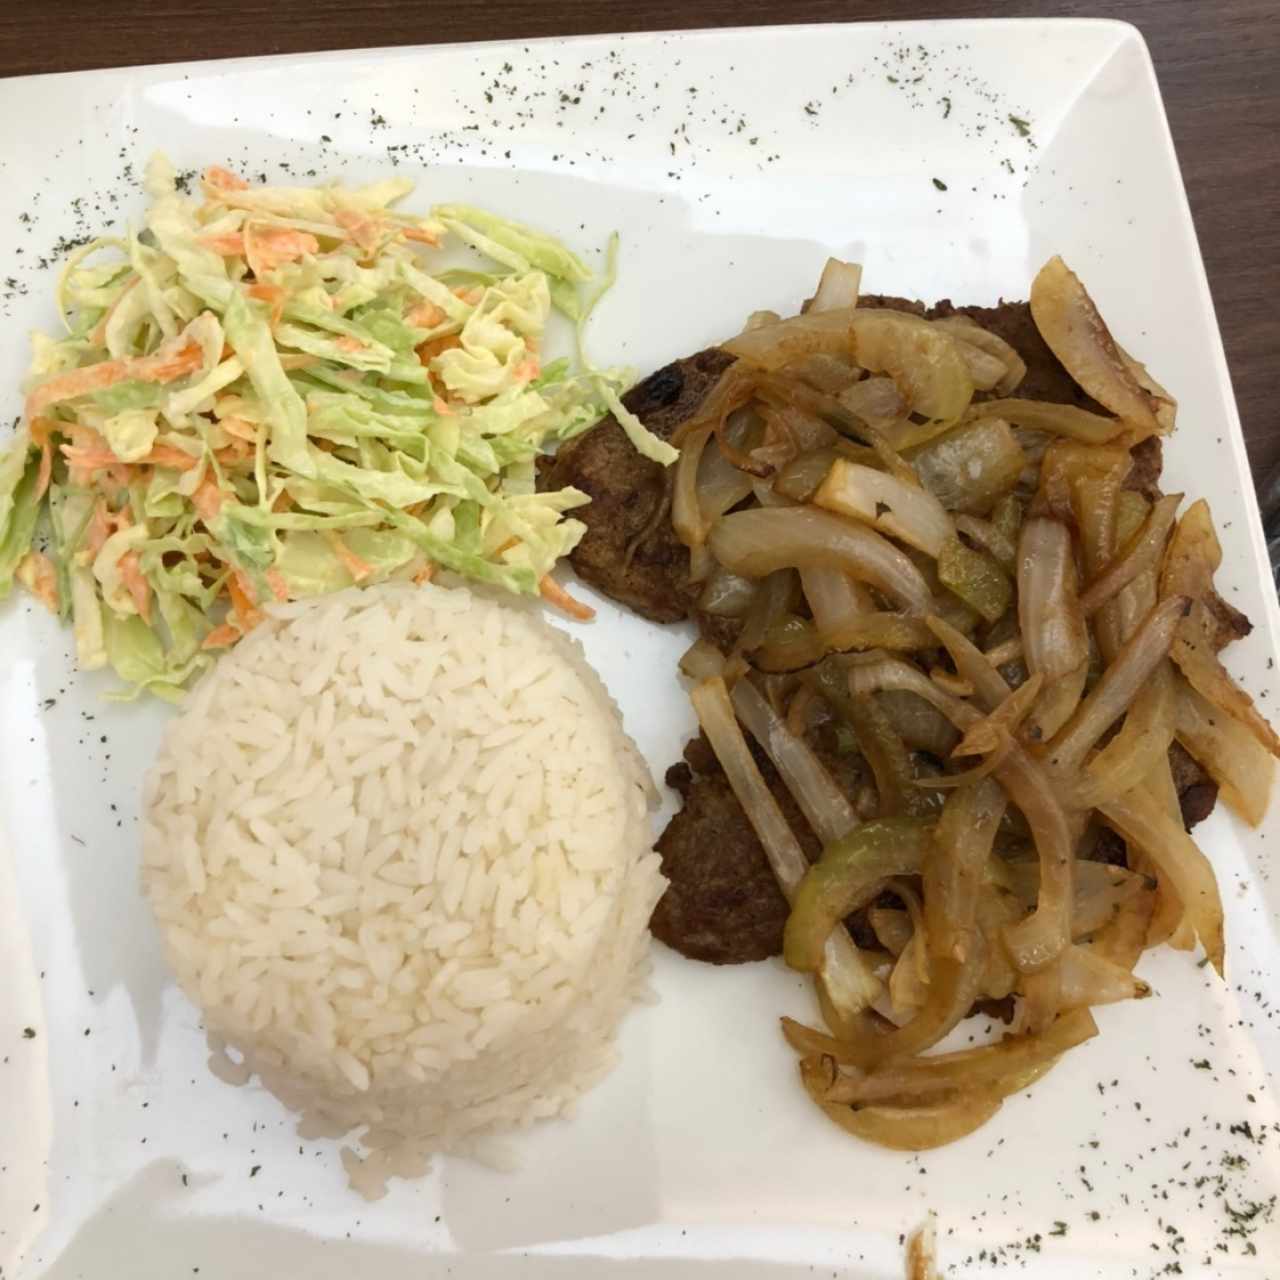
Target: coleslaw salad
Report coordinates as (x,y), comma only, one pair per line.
(269,393)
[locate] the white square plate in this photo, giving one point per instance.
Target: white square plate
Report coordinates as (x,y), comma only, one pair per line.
(950,158)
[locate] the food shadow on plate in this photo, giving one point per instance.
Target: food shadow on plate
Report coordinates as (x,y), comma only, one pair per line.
(150,1208)
(593,1173)
(95,771)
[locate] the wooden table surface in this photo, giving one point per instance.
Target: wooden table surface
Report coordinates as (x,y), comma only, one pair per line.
(1218,63)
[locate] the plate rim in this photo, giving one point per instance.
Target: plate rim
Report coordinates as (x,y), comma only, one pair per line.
(1124,28)
(134,79)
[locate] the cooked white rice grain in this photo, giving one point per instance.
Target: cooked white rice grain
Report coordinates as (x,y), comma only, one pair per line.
(398,847)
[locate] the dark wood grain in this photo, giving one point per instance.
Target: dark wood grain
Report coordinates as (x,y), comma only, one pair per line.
(1218,63)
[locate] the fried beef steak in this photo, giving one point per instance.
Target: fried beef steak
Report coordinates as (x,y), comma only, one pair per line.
(630,552)
(723,904)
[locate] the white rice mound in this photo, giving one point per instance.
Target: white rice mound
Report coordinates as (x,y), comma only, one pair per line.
(398,847)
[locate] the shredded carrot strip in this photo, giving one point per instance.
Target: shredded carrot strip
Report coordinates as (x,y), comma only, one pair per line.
(279,588)
(425,574)
(266,248)
(100,527)
(221,179)
(45,472)
(273,295)
(553,593)
(167,455)
(88,459)
(236,451)
(359,569)
(91,460)
(426,315)
(76,382)
(139,590)
(207,500)
(155,369)
(106,476)
(228,244)
(346,343)
(81,436)
(161,367)
(429,350)
(528,369)
(41,430)
(247,615)
(239,429)
(221,637)
(238,581)
(422,236)
(361,231)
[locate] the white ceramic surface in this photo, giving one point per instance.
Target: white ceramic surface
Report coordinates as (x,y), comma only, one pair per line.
(732,163)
